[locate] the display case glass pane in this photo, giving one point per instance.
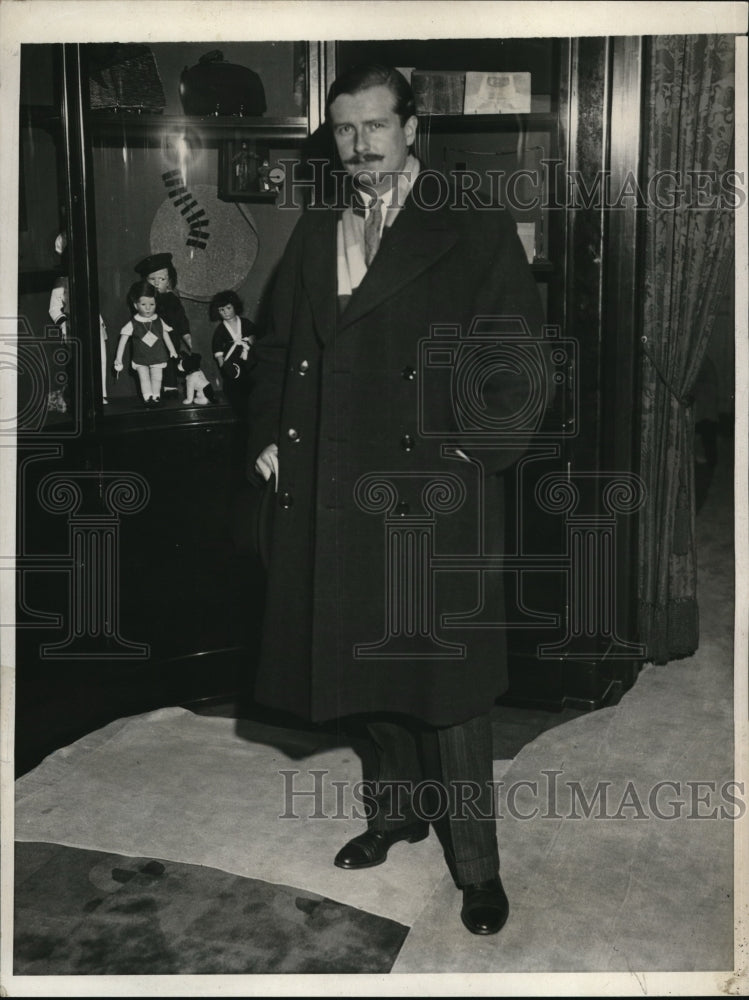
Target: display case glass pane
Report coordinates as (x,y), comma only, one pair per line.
(170,177)
(48,359)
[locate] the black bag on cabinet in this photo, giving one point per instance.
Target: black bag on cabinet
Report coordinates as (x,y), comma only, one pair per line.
(217,87)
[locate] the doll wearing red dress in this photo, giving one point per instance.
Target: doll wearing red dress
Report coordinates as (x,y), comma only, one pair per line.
(152,345)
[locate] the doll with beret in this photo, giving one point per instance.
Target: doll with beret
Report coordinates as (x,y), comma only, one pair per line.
(159,270)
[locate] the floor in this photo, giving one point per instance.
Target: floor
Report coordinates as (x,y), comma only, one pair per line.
(154,847)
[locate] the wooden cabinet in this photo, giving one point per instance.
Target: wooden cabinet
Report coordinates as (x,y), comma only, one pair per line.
(132,590)
(182,590)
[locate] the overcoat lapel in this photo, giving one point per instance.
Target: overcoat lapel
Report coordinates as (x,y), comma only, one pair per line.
(416,240)
(319,273)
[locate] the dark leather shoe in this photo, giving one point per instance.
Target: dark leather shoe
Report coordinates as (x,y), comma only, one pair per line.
(371,848)
(485,907)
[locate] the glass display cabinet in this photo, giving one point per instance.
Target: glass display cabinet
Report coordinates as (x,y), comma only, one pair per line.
(184,148)
(118,162)
(133,175)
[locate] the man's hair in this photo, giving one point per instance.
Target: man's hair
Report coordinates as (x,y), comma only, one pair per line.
(367,75)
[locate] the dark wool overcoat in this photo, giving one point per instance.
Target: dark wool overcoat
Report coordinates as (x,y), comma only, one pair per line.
(379,593)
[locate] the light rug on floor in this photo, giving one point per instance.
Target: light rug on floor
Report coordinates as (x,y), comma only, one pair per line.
(170,784)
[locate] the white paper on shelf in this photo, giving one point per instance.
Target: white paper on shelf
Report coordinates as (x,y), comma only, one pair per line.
(497,93)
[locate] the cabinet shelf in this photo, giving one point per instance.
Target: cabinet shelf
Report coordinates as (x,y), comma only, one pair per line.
(543,269)
(534,121)
(148,124)
(144,126)
(129,415)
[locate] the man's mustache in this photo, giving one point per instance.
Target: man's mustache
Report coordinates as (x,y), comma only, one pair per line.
(358,160)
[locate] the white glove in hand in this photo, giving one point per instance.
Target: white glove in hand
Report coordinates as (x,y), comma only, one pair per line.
(266,463)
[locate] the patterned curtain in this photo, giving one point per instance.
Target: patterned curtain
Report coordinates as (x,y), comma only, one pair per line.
(688,259)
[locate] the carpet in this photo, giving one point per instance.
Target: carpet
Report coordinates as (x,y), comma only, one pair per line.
(91,913)
(616,888)
(171,784)
(629,886)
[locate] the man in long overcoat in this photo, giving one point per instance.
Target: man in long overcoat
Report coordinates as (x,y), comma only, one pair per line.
(385,404)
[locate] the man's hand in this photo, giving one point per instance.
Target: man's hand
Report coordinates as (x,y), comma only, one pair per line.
(266,463)
(117,366)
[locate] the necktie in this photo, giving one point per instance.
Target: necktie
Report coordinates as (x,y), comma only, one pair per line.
(372,223)
(372,231)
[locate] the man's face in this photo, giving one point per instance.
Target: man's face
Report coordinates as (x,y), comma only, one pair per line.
(370,138)
(160,280)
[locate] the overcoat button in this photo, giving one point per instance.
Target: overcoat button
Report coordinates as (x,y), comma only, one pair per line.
(285,500)
(303,367)
(293,435)
(409,374)
(407,442)
(402,509)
